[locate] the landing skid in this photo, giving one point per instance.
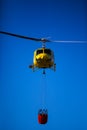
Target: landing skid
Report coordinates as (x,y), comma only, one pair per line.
(34,68)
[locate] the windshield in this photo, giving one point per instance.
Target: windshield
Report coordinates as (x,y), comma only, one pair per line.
(48,51)
(39,51)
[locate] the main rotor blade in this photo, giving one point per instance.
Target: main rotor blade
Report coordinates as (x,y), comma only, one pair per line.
(20,36)
(39,39)
(70,41)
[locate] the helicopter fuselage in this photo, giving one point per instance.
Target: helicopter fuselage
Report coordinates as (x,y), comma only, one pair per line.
(43,58)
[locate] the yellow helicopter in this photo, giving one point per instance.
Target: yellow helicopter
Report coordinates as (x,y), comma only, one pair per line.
(43,57)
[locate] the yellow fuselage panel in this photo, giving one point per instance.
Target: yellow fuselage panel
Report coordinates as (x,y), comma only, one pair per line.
(43,60)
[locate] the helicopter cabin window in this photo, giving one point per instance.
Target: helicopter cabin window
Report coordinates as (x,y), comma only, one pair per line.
(47,51)
(39,51)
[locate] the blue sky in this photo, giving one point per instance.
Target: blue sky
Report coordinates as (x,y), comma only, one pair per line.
(20,88)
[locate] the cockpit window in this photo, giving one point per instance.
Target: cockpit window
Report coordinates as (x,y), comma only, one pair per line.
(48,51)
(39,51)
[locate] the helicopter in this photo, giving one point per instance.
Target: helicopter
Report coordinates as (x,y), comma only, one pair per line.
(43,57)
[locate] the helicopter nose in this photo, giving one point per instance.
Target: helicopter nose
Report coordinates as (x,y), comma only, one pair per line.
(43,57)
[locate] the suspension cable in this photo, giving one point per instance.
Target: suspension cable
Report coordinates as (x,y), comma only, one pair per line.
(43,89)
